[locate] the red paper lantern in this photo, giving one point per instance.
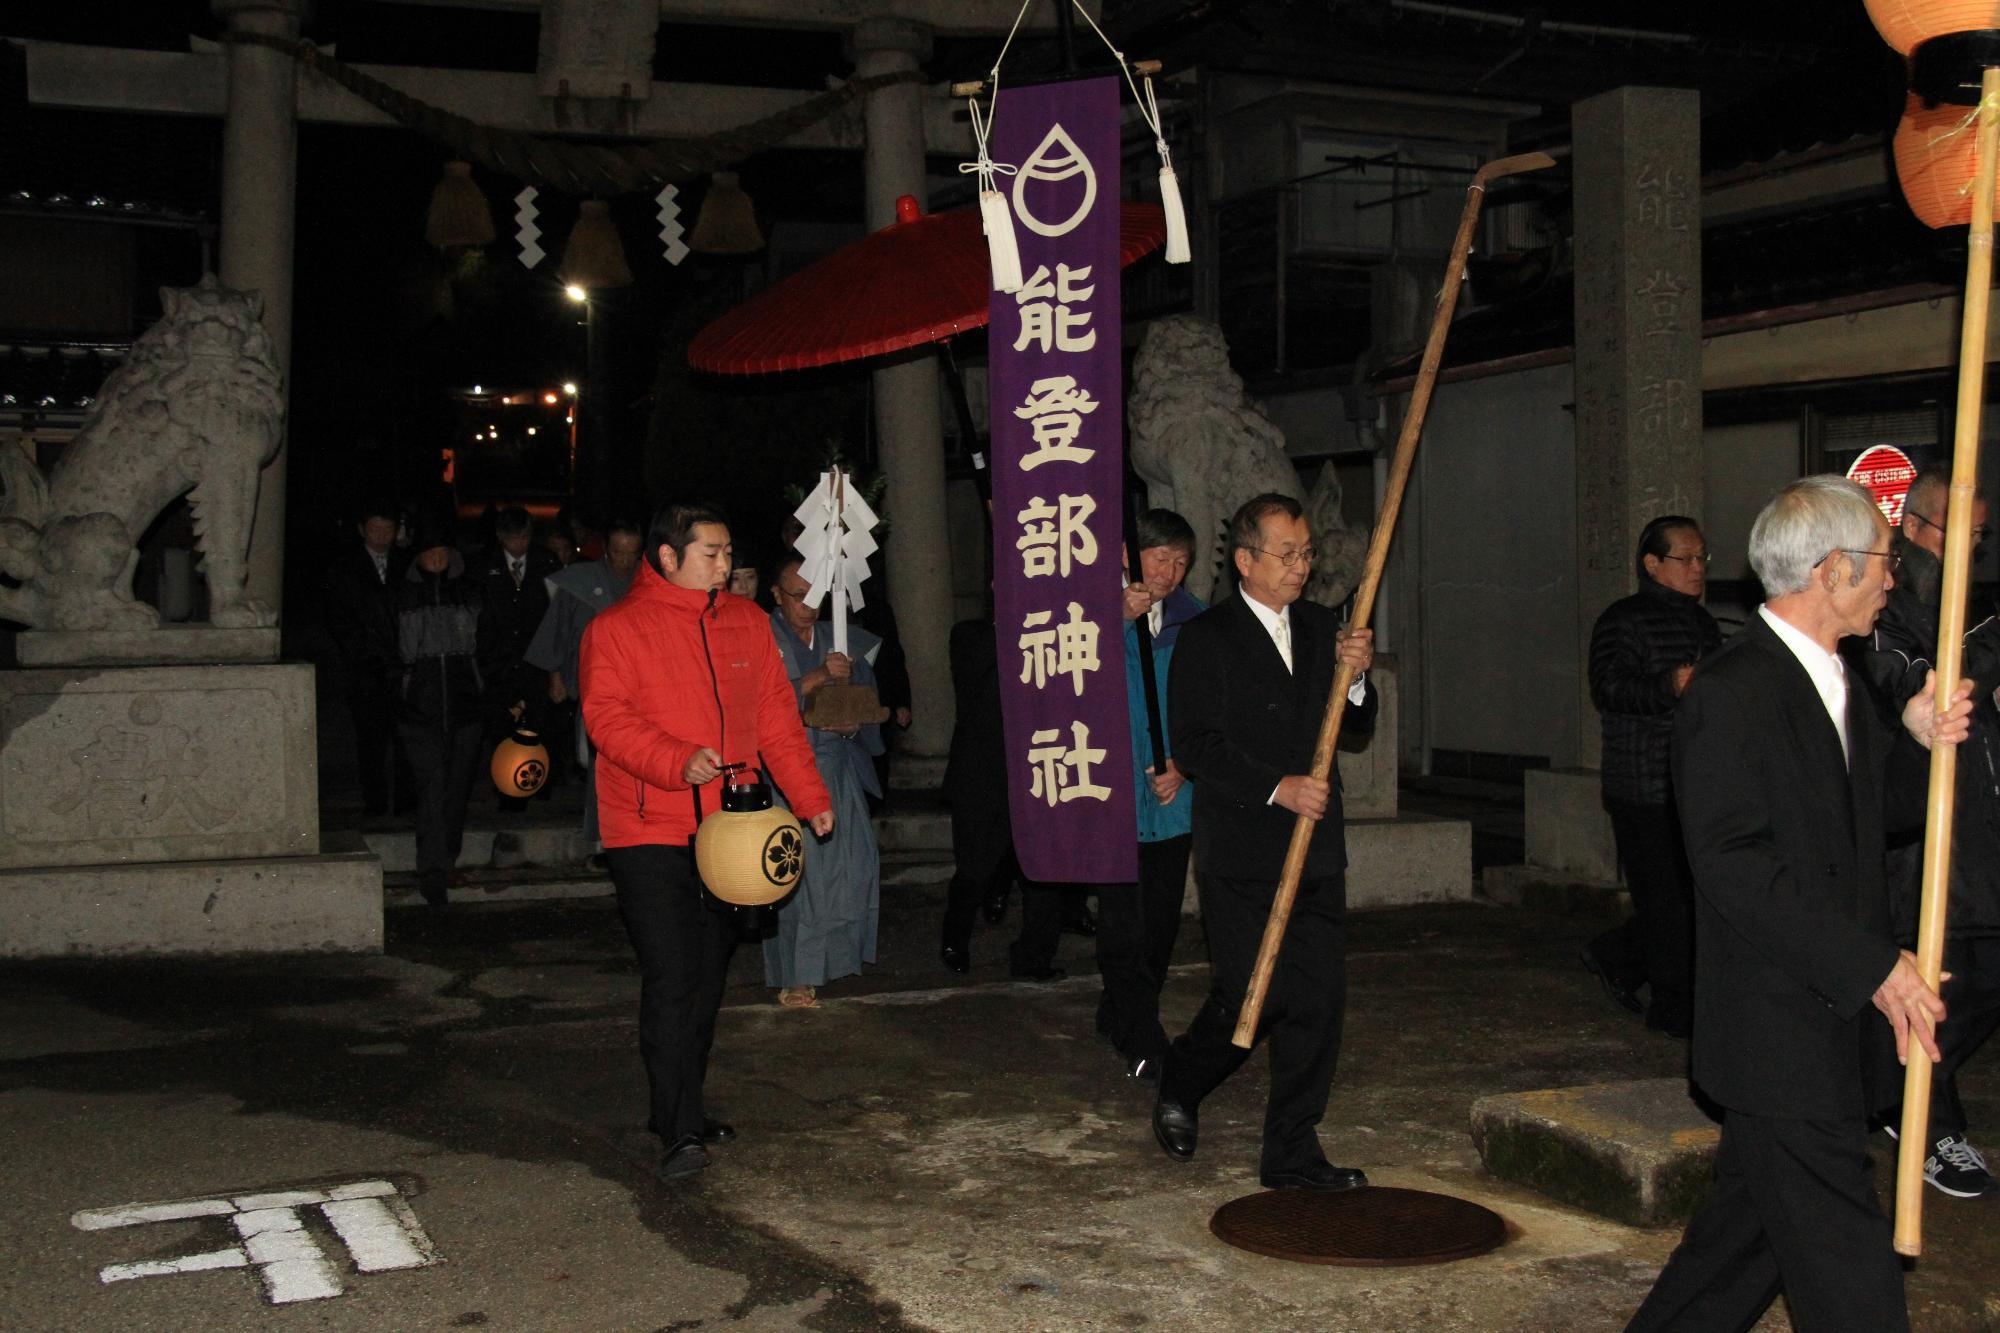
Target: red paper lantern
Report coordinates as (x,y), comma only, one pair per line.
(1908,24)
(1936,158)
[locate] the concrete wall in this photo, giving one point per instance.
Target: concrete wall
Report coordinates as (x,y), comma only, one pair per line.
(1494,533)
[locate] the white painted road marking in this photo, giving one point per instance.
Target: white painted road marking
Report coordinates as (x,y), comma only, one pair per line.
(372,1219)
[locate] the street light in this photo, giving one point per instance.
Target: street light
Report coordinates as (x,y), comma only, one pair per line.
(576,294)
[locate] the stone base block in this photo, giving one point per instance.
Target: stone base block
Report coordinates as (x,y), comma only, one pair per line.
(1565,824)
(1543,890)
(1413,859)
(1641,1152)
(122,766)
(305,904)
(1370,777)
(180,645)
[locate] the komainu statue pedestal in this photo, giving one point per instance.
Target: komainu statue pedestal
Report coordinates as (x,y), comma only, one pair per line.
(169,808)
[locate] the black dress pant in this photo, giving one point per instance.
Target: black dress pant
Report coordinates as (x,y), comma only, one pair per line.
(683,941)
(1972,1005)
(1657,944)
(1302,1014)
(982,846)
(384,769)
(1136,928)
(445,763)
(1793,1210)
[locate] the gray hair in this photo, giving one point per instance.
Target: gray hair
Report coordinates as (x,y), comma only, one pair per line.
(1803,524)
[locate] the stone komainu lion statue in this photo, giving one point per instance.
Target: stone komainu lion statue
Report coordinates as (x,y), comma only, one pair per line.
(196,410)
(1203,448)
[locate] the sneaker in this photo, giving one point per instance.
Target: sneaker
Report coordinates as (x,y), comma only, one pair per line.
(1957,1169)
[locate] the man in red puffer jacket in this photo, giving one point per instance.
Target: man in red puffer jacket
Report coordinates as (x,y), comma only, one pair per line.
(679,678)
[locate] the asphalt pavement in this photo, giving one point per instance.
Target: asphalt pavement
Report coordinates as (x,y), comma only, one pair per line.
(451,1136)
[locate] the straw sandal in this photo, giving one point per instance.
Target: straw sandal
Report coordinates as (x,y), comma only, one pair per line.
(798,997)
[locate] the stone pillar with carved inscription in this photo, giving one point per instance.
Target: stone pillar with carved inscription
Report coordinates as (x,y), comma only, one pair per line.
(1638,339)
(908,416)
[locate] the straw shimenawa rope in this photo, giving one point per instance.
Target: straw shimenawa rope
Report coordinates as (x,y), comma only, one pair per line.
(580,168)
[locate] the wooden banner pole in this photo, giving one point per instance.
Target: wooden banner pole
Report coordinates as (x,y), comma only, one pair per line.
(1371,577)
(1915,1143)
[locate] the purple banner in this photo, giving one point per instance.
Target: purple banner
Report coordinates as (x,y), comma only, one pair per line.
(1058,399)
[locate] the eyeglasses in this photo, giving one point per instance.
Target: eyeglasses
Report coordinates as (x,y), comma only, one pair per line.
(1288,558)
(1701,559)
(1895,558)
(1979,534)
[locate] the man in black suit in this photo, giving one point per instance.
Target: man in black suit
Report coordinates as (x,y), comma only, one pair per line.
(361,587)
(513,582)
(1786,771)
(1247,690)
(982,831)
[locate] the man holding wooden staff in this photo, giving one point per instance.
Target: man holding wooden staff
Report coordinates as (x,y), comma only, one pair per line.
(1896,658)
(1786,772)
(1249,682)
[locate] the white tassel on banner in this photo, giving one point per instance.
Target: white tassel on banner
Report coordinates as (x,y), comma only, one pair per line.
(996,219)
(1170,200)
(1178,251)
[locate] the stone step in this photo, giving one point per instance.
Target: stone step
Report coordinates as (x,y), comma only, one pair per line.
(1639,1152)
(916,823)
(916,772)
(1543,890)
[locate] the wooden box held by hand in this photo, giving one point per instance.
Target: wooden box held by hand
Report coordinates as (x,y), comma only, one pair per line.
(835,705)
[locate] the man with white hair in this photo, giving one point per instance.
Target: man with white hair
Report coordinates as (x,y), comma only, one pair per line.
(1786,772)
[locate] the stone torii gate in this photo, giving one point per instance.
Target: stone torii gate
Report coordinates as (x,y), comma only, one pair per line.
(594,54)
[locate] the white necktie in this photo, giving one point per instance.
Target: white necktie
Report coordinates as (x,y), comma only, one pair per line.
(1154,615)
(1837,705)
(1282,636)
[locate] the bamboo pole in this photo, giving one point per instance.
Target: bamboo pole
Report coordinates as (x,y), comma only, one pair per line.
(1915,1143)
(1371,578)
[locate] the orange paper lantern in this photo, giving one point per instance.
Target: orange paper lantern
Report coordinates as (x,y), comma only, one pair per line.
(1908,24)
(1936,158)
(520,764)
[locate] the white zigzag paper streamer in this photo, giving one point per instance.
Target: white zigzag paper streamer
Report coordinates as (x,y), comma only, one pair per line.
(528,234)
(670,225)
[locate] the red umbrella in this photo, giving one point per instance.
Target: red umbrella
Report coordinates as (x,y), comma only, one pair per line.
(921,279)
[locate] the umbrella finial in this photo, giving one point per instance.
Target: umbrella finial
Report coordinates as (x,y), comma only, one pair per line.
(907,208)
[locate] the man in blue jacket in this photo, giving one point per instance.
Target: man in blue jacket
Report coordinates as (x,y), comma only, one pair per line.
(1137,923)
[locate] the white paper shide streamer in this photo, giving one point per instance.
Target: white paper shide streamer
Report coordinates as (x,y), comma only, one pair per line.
(836,545)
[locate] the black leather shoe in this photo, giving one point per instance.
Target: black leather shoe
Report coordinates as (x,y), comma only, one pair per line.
(716,1131)
(994,909)
(1614,986)
(1050,973)
(1176,1127)
(1083,922)
(957,958)
(685,1156)
(1145,1068)
(1318,1176)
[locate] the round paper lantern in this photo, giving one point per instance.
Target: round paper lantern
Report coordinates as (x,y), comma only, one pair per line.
(1908,24)
(1936,159)
(520,764)
(748,853)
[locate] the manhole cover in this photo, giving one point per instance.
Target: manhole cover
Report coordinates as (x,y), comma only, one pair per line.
(1376,1227)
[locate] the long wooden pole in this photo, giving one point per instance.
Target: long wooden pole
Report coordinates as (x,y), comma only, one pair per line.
(1915,1142)
(1371,578)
